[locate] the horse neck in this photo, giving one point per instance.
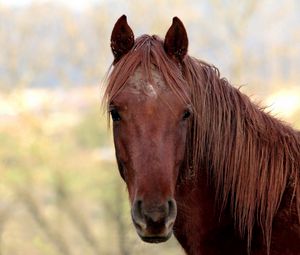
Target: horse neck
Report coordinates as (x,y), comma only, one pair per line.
(199,220)
(243,159)
(195,207)
(250,156)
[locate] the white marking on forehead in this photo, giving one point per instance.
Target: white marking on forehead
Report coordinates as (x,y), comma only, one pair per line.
(139,85)
(149,89)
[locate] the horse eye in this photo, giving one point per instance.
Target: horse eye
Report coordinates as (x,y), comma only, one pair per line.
(115,115)
(186,114)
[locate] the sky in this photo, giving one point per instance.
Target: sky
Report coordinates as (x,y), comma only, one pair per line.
(73,4)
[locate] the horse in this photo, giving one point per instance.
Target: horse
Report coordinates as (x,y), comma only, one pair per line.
(198,157)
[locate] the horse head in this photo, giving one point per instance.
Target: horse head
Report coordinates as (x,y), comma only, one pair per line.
(150,123)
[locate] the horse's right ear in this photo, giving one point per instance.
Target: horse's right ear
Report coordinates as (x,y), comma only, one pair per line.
(122,39)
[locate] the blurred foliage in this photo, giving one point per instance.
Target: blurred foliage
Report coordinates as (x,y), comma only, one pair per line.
(60,189)
(87,131)
(47,44)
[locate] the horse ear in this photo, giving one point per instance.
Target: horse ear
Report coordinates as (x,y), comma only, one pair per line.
(176,41)
(122,39)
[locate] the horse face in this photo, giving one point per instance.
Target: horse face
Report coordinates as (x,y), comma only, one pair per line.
(150,126)
(150,129)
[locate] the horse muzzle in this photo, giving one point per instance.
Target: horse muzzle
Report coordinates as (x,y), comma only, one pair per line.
(154,222)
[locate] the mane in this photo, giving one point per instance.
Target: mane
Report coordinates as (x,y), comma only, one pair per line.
(251,158)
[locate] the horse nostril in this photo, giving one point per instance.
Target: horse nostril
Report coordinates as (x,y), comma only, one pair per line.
(137,214)
(139,208)
(172,209)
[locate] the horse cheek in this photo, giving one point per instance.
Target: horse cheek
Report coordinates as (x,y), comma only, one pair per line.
(180,144)
(121,153)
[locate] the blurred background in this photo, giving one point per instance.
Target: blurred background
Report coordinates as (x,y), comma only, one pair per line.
(60,190)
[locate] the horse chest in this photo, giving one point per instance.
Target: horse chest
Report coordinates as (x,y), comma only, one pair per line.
(199,228)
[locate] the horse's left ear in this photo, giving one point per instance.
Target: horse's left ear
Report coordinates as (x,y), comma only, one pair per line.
(122,39)
(176,41)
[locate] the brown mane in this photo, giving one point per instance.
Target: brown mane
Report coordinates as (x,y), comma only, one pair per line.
(252,158)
